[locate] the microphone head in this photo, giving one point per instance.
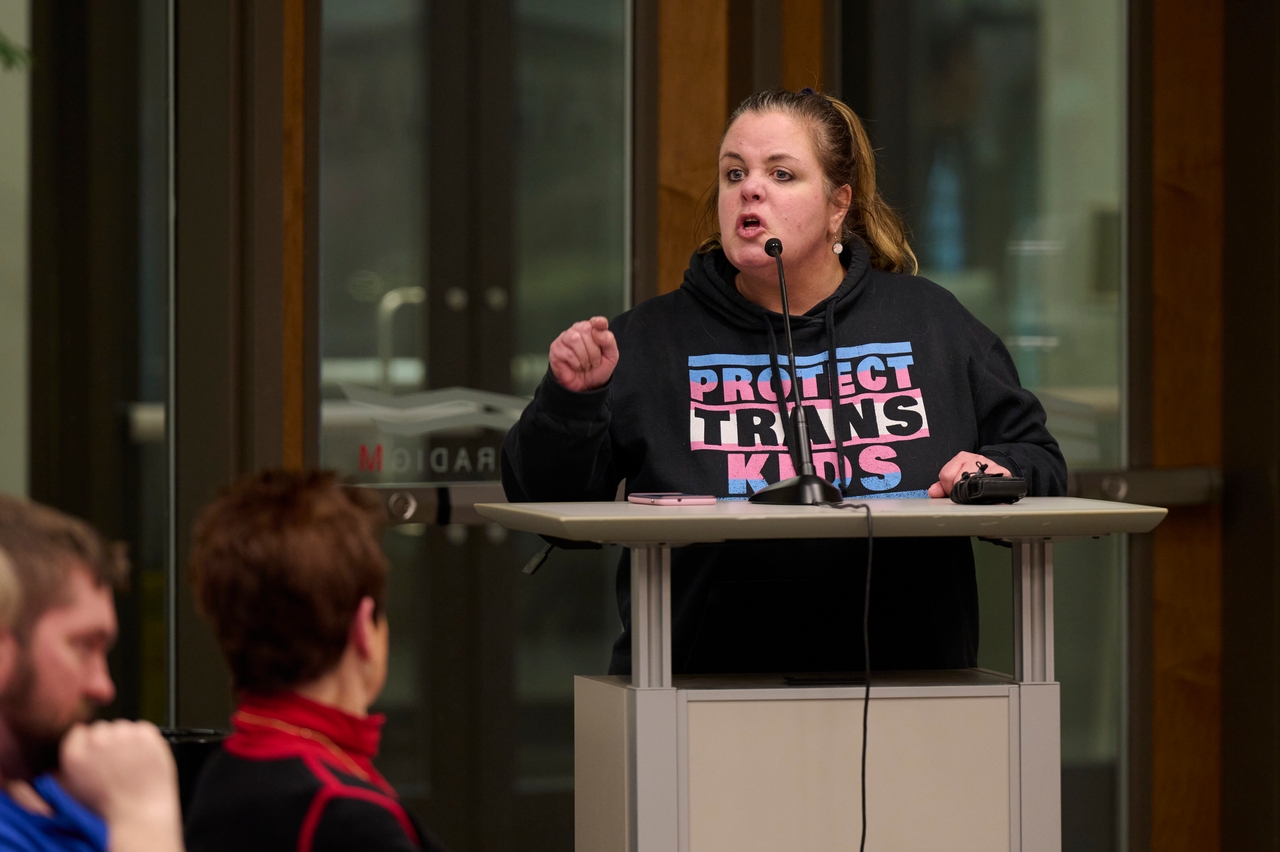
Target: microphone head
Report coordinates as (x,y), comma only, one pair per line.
(773,247)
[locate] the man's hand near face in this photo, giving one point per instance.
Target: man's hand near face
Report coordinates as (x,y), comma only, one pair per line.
(125,772)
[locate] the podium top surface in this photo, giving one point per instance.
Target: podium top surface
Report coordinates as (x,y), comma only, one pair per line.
(630,523)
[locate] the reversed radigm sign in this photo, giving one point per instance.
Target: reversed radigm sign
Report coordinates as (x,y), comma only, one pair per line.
(427,412)
(448,434)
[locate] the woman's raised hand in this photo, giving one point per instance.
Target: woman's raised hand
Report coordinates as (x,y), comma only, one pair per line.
(584,355)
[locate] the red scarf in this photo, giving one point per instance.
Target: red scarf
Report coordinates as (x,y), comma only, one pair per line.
(270,727)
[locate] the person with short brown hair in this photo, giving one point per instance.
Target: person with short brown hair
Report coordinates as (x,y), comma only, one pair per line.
(116,781)
(45,546)
(280,562)
(289,570)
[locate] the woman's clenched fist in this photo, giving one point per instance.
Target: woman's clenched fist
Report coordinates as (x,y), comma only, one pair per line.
(584,356)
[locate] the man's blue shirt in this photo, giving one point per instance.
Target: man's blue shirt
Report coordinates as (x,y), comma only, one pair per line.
(71,827)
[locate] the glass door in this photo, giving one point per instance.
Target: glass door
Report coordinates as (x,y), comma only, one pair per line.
(1000,126)
(14,133)
(473,203)
(85,324)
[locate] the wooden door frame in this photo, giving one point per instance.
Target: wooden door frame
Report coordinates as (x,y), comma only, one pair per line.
(1250,792)
(245,319)
(1205,609)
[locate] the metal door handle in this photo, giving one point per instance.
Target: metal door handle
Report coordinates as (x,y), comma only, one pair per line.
(436,504)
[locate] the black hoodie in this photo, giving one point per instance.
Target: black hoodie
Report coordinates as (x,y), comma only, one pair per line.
(692,407)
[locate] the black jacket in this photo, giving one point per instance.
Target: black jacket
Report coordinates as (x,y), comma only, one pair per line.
(297,776)
(692,407)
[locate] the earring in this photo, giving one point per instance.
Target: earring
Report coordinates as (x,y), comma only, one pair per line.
(837,248)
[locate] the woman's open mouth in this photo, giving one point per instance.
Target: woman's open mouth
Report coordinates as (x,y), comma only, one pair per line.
(750,226)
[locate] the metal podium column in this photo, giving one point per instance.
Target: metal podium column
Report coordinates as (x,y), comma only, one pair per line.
(655,798)
(1040,757)
(651,617)
(1033,611)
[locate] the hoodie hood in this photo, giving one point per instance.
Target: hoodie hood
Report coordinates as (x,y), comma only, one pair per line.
(710,280)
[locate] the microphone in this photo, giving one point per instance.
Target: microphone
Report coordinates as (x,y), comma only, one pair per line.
(807,489)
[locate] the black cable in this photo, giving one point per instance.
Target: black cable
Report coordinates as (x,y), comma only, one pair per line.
(866,659)
(866,672)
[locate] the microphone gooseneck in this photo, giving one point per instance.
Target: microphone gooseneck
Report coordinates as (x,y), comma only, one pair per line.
(808,488)
(774,248)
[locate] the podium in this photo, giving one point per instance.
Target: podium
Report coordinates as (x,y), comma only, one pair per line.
(957,760)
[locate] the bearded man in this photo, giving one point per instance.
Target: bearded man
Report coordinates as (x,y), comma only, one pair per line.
(66,784)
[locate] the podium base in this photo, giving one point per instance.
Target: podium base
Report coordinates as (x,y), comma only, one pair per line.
(804,490)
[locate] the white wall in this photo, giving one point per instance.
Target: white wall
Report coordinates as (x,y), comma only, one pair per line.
(15,20)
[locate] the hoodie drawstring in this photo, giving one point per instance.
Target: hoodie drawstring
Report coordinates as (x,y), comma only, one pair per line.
(775,382)
(832,371)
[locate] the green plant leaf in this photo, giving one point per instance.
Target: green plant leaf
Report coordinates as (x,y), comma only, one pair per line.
(11,55)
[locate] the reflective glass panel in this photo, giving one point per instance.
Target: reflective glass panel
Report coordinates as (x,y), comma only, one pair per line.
(473,204)
(1000,126)
(14,159)
(84,301)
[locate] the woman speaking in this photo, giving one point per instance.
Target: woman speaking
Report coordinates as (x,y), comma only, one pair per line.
(904,391)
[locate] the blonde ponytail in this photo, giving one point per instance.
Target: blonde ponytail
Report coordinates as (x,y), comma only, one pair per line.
(869,216)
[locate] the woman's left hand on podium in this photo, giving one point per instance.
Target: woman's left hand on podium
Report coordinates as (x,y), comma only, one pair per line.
(963,462)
